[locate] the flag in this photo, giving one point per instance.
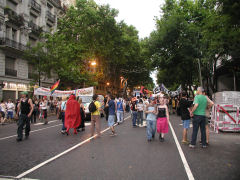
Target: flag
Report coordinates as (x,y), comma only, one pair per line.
(123,82)
(54,87)
(144,90)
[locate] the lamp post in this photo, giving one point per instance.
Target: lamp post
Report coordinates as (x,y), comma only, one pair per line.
(93,64)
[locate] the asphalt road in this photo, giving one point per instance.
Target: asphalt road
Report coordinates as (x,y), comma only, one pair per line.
(125,156)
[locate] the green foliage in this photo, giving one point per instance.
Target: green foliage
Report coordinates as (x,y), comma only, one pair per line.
(189,30)
(90,32)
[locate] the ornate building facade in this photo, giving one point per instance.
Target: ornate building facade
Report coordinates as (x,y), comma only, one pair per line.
(22,22)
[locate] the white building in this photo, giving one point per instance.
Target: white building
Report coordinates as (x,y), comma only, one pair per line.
(69,2)
(21,22)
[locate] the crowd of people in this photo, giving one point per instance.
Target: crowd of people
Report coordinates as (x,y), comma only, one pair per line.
(152,113)
(156,110)
(41,108)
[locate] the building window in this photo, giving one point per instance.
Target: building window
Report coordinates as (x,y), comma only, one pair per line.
(33,18)
(14,35)
(10,67)
(12,5)
(49,28)
(32,41)
(8,29)
(31,73)
(50,7)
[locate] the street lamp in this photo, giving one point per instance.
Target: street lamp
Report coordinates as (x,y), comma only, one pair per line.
(93,63)
(108,83)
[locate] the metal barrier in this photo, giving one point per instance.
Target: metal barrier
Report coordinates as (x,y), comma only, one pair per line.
(225,118)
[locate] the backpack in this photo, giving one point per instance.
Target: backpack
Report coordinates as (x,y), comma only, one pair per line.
(92,107)
(119,105)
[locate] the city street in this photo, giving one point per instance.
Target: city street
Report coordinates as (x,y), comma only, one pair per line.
(48,154)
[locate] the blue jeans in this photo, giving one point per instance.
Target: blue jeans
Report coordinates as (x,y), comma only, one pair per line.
(63,121)
(134,117)
(119,116)
(199,121)
(10,114)
(140,117)
(151,129)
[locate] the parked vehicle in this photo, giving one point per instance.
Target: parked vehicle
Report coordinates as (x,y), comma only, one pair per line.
(86,100)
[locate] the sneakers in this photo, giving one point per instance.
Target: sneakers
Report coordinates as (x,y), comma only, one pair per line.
(192,146)
(113,133)
(204,146)
(161,139)
(185,142)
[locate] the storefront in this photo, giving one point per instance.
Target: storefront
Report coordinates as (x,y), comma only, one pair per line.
(12,90)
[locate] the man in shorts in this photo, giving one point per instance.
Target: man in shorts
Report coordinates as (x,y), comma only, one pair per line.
(112,106)
(185,116)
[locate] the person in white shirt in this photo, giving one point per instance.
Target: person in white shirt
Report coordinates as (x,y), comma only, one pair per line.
(43,107)
(10,109)
(3,109)
(140,109)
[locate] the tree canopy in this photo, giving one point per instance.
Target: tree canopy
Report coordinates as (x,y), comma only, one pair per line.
(190,33)
(90,32)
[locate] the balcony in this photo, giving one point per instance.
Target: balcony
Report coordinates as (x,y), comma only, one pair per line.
(10,72)
(35,6)
(35,28)
(57,3)
(15,1)
(12,44)
(51,17)
(13,17)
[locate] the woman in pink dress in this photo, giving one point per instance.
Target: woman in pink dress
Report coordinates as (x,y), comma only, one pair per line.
(162,119)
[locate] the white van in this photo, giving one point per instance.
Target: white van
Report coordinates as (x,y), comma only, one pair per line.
(86,100)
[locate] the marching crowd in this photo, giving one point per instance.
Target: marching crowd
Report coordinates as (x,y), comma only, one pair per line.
(41,107)
(154,111)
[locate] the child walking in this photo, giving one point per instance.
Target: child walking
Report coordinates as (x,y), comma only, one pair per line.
(151,113)
(162,119)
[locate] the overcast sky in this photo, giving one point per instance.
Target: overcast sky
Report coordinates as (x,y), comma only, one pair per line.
(139,13)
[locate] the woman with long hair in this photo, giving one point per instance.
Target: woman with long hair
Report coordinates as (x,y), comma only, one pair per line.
(162,119)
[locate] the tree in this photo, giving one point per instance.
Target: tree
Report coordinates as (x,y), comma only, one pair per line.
(192,31)
(90,32)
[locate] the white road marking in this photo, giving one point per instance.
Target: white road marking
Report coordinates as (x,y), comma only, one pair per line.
(37,124)
(61,154)
(86,124)
(31,131)
(185,163)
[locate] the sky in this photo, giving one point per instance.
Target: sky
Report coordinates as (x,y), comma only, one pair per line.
(139,13)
